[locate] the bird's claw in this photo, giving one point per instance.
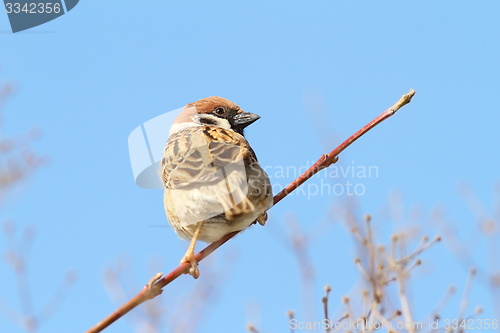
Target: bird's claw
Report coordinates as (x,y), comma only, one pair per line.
(193,270)
(262,219)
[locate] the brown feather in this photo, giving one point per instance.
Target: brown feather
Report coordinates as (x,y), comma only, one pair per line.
(190,159)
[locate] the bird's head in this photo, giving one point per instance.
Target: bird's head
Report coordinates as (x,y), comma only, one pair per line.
(214,111)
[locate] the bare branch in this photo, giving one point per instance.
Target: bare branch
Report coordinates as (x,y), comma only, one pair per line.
(154,289)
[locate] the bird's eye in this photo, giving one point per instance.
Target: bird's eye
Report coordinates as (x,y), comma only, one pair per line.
(219,111)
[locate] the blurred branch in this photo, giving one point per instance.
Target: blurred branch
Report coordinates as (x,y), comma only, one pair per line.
(487,227)
(17,162)
(156,316)
(17,256)
(378,271)
(386,271)
(155,286)
(300,245)
(5,92)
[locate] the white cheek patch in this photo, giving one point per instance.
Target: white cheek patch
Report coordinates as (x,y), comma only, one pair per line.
(224,123)
(211,120)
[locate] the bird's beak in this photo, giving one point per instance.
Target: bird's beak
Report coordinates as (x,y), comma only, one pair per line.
(244,119)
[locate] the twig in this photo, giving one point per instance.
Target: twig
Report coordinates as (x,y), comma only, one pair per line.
(419,250)
(251,328)
(154,288)
(386,322)
(372,316)
(355,231)
(300,249)
(366,301)
(357,261)
(328,159)
(405,307)
(17,256)
(291,316)
(444,301)
(59,296)
(350,313)
(463,303)
(325,306)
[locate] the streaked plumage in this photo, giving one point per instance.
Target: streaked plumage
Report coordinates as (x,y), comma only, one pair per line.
(213,181)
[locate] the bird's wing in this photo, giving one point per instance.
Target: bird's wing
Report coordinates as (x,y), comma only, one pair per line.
(206,165)
(192,154)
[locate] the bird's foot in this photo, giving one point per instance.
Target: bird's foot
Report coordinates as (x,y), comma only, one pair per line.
(193,270)
(262,219)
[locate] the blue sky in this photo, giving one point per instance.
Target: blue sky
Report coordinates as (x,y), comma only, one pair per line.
(88,78)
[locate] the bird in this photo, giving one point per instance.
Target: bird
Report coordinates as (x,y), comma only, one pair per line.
(213,182)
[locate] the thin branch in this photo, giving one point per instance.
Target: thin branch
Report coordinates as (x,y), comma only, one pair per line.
(386,322)
(463,303)
(300,250)
(251,328)
(291,316)
(419,250)
(325,305)
(372,315)
(56,300)
(154,288)
(444,301)
(328,159)
(350,313)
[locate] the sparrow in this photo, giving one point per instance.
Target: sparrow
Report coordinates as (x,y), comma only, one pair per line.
(213,182)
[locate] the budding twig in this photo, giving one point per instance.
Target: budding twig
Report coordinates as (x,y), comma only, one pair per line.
(346,300)
(325,305)
(357,261)
(385,321)
(355,231)
(419,250)
(154,289)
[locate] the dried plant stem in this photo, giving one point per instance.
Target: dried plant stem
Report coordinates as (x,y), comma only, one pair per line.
(358,236)
(357,261)
(373,312)
(463,303)
(419,250)
(344,316)
(366,300)
(251,328)
(386,323)
(291,316)
(154,288)
(325,305)
(444,301)
(405,306)
(349,312)
(369,245)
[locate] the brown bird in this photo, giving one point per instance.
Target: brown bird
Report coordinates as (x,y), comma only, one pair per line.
(214,184)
